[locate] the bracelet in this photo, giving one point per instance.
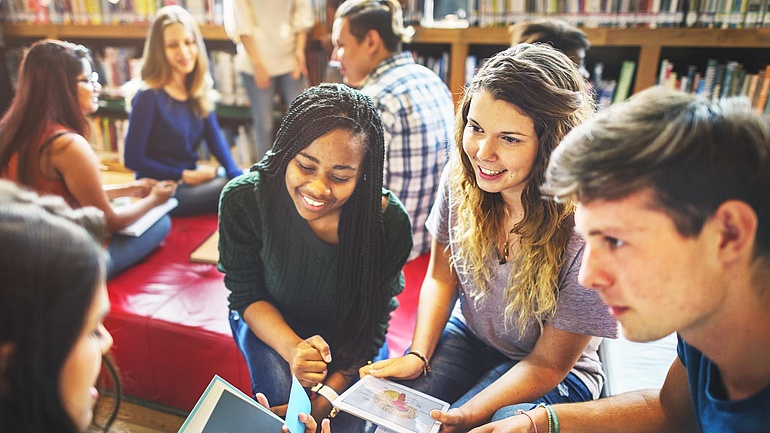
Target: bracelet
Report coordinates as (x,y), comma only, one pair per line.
(328,393)
(553,420)
(552,414)
(425,366)
(547,415)
(532,420)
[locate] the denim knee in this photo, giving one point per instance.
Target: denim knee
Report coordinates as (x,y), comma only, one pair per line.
(269,372)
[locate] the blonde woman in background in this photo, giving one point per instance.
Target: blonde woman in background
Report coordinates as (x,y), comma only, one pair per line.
(172,115)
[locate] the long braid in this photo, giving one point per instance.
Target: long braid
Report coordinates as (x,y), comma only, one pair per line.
(314,113)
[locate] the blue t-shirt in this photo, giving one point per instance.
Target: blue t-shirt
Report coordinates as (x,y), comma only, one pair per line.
(715,413)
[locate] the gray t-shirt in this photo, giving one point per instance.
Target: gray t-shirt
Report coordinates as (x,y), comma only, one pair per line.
(578,310)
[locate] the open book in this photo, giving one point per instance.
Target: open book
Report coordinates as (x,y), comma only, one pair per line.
(224,408)
(147,220)
(392,406)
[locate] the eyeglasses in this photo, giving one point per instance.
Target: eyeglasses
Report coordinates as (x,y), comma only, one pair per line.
(92,79)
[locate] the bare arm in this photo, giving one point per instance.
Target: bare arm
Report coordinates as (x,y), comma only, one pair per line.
(666,410)
(437,298)
(300,68)
(74,160)
(307,358)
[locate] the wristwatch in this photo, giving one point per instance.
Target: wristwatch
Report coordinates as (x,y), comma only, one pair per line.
(328,393)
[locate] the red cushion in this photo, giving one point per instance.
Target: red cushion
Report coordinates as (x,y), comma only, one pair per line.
(169,320)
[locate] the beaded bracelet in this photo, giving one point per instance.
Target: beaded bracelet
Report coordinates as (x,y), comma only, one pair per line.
(425,366)
(553,420)
(531,420)
(552,414)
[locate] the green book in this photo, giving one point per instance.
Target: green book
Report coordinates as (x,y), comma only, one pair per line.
(623,87)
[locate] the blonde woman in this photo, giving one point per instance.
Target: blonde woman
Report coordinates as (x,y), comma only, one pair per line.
(173,112)
(524,331)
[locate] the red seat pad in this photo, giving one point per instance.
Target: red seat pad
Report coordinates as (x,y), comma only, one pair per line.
(169,320)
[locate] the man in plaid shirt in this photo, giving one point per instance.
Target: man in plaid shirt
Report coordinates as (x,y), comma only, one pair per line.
(416,106)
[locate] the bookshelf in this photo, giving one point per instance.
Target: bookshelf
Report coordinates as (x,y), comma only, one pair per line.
(645,46)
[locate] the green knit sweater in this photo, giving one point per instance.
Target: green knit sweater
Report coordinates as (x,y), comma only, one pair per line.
(269,253)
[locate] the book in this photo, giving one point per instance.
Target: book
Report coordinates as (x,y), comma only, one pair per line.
(147,220)
(224,408)
(624,81)
(390,405)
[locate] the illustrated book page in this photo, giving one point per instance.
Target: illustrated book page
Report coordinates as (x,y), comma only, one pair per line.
(390,405)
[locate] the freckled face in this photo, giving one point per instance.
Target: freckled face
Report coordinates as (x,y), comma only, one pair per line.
(323,176)
(501,143)
(181,48)
(83,364)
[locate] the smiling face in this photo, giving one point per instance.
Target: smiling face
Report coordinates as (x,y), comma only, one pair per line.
(501,144)
(654,280)
(323,176)
(88,89)
(181,48)
(83,364)
(353,56)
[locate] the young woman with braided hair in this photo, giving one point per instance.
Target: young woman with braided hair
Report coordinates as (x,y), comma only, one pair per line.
(312,248)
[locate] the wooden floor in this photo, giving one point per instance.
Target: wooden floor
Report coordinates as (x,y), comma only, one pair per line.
(141,417)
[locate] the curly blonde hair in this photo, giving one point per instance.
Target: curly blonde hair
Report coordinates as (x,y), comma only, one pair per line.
(545,86)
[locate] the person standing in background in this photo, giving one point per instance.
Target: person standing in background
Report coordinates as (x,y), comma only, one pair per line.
(416,106)
(271,36)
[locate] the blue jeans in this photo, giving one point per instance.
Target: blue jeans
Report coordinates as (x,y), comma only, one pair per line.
(126,251)
(199,199)
(262,106)
(462,366)
(270,373)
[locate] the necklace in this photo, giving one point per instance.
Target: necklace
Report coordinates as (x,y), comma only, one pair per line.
(504,258)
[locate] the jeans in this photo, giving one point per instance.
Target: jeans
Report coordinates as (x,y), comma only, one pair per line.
(262,106)
(199,199)
(126,251)
(270,373)
(462,366)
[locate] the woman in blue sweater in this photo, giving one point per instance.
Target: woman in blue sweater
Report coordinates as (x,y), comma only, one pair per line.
(173,113)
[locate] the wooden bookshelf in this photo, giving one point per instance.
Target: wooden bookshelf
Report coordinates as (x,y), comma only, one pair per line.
(122,32)
(647,42)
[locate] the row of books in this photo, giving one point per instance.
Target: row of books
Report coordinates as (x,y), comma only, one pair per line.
(114,11)
(595,13)
(104,11)
(583,13)
(108,137)
(720,80)
(611,91)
